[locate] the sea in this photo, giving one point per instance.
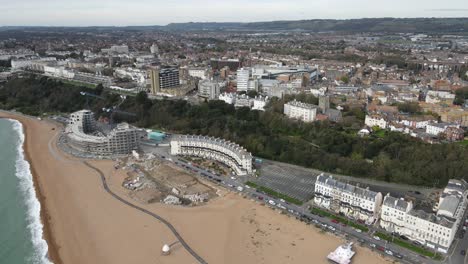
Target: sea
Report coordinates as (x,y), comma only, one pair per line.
(21,230)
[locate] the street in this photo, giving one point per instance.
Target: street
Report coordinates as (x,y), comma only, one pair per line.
(302,213)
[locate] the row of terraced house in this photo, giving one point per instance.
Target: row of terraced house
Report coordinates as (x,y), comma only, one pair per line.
(435,229)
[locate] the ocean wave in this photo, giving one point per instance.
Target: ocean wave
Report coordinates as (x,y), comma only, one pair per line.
(26,184)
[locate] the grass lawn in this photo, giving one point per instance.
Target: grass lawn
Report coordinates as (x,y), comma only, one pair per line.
(409,245)
(274,193)
(463,143)
(341,219)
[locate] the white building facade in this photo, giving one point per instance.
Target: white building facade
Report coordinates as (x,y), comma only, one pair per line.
(301,111)
(376,120)
(434,230)
(243,77)
(353,201)
(229,153)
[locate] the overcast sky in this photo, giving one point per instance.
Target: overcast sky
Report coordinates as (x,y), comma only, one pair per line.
(162,12)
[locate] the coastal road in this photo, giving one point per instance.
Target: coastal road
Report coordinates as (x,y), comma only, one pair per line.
(162,220)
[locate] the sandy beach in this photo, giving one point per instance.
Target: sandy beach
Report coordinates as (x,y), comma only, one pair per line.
(84,224)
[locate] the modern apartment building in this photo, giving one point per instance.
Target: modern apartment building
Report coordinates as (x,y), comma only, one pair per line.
(164,79)
(301,111)
(243,77)
(210,89)
(83,136)
(229,153)
(353,201)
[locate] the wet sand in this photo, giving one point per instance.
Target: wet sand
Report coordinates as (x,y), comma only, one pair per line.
(84,224)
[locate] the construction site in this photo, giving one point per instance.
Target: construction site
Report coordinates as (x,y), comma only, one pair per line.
(150,180)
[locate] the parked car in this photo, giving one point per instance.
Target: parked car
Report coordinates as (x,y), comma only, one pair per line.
(361,240)
(358,230)
(271,202)
(463,252)
(380,248)
(398,256)
(377,238)
(372,245)
(417,243)
(260,198)
(388,252)
(335,221)
(404,237)
(331,228)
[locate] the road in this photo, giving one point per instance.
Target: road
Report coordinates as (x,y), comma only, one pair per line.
(108,190)
(459,244)
(301,212)
(162,220)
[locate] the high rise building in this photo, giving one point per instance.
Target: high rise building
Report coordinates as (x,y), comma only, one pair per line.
(164,78)
(243,76)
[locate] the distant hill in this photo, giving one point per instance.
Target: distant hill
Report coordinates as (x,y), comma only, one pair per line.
(389,25)
(381,25)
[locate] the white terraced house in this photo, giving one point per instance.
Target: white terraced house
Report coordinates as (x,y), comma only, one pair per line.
(353,201)
(434,230)
(231,154)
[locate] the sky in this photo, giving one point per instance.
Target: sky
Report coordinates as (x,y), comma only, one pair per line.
(162,12)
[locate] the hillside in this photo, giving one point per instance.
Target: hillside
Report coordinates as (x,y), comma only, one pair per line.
(393,25)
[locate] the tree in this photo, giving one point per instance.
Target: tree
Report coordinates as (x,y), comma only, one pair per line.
(345,78)
(460,96)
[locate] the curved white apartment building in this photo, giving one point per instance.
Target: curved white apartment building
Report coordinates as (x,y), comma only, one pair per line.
(83,137)
(229,153)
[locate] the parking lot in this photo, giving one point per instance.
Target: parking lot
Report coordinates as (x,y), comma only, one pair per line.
(288,179)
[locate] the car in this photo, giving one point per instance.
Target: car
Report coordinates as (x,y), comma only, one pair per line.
(331,228)
(260,198)
(463,252)
(376,238)
(372,245)
(404,237)
(271,202)
(282,200)
(388,252)
(380,248)
(464,228)
(233,178)
(164,157)
(398,256)
(335,221)
(315,221)
(361,240)
(358,230)
(343,224)
(417,243)
(461,236)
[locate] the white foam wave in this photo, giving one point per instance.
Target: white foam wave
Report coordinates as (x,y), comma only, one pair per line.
(26,184)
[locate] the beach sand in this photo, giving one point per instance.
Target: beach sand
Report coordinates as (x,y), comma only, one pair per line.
(84,224)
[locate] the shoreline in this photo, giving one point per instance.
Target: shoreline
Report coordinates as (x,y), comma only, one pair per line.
(82,223)
(53,248)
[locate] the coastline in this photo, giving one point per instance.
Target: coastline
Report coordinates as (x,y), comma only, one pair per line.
(53,248)
(82,223)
